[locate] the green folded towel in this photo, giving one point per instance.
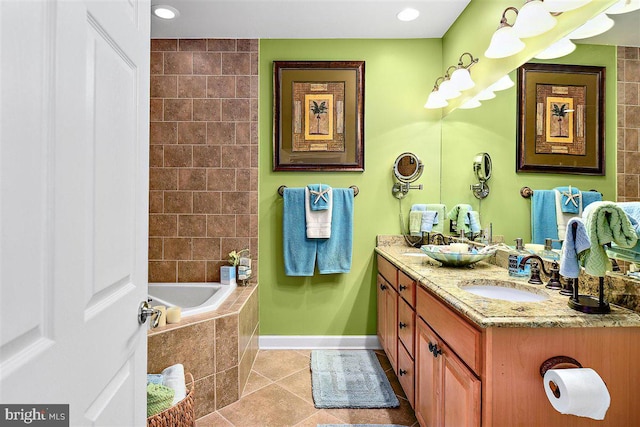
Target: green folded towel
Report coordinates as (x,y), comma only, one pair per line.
(605,222)
(159,398)
(459,214)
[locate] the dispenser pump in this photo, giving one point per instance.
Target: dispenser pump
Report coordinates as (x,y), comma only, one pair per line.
(519,244)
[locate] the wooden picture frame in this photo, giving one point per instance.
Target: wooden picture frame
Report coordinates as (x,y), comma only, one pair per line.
(561,126)
(318,116)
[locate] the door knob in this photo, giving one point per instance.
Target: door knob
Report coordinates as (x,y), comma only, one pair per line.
(145,311)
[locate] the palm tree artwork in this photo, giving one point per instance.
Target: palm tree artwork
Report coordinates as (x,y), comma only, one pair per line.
(560,113)
(318,110)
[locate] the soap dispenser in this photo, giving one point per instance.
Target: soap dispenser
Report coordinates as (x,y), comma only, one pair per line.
(515,256)
(548,251)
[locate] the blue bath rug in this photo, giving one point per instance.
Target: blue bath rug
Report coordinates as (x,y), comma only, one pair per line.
(350,379)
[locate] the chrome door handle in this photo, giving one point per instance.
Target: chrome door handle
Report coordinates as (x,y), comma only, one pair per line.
(145,311)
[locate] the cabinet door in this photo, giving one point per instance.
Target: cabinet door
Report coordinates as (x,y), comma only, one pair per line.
(391,320)
(382,310)
(427,377)
(460,392)
(406,325)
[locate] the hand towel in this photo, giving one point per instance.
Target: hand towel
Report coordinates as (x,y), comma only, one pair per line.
(155,378)
(605,222)
(415,221)
(174,379)
(460,214)
(562,218)
(632,209)
(589,197)
(319,197)
(419,207)
(159,398)
(334,254)
(474,222)
(299,252)
(543,216)
(428,219)
(438,223)
(573,246)
(318,222)
(571,201)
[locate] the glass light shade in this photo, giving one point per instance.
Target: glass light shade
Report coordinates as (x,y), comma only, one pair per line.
(485,95)
(505,82)
(165,12)
(448,90)
(533,19)
(469,104)
(504,42)
(623,6)
(562,47)
(461,79)
(592,27)
(408,14)
(436,100)
(563,5)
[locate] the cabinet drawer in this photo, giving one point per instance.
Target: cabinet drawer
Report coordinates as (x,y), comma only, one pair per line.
(406,325)
(405,373)
(407,288)
(388,271)
(464,339)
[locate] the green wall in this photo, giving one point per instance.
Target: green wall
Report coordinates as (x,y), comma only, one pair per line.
(397,83)
(492,129)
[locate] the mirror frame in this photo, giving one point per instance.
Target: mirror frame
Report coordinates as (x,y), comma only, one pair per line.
(415,175)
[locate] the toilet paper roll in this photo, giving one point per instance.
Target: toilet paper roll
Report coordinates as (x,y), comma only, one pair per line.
(174,314)
(578,391)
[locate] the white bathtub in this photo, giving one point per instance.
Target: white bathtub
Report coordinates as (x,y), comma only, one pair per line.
(192,298)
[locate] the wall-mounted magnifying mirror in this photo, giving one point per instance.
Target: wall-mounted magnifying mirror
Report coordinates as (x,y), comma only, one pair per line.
(407,168)
(482,169)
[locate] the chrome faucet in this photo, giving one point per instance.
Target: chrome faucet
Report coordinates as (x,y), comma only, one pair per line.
(554,274)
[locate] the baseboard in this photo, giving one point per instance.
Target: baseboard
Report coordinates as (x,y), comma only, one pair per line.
(282,342)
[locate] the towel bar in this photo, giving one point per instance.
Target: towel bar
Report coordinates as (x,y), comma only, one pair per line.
(527,192)
(355,189)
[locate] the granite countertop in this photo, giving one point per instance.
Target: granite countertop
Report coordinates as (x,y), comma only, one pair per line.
(484,312)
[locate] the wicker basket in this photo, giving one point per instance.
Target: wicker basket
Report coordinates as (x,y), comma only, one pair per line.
(182,414)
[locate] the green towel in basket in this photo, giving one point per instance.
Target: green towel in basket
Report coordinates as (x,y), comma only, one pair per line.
(159,398)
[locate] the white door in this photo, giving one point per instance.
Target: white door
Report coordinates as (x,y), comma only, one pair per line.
(74,80)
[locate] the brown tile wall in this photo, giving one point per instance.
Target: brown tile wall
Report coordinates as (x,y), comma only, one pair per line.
(203,179)
(628,167)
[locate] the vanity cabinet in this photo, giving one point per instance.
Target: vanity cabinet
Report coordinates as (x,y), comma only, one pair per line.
(388,310)
(447,392)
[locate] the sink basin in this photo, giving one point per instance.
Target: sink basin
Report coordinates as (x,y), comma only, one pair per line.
(503,290)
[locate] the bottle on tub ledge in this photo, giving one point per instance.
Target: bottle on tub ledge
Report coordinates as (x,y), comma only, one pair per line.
(515,256)
(241,262)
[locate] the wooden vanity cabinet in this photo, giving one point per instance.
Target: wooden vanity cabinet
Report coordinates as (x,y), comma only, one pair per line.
(387,282)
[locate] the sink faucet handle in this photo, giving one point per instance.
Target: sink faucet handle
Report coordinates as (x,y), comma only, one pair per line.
(554,277)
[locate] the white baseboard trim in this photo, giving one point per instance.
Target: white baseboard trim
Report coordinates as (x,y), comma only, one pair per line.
(313,342)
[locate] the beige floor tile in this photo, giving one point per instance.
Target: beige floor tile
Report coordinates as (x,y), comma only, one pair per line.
(213,420)
(320,417)
(270,406)
(255,382)
(403,415)
(298,383)
(276,364)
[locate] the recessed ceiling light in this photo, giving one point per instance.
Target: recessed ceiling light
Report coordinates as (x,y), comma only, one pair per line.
(165,12)
(408,14)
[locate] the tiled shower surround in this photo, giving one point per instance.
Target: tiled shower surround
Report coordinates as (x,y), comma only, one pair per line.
(203,178)
(628,124)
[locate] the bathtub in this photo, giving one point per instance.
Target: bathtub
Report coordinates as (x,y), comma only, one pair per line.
(193,298)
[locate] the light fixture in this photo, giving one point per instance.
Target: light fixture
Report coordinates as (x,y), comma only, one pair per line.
(563,5)
(461,78)
(503,83)
(562,47)
(623,6)
(592,27)
(408,14)
(485,95)
(504,41)
(447,89)
(470,103)
(164,11)
(533,19)
(435,99)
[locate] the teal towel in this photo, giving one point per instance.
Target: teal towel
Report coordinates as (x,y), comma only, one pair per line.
(299,252)
(318,197)
(589,197)
(460,214)
(571,200)
(429,218)
(334,254)
(438,223)
(605,222)
(543,216)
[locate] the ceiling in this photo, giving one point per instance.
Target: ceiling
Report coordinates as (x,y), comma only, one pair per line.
(328,19)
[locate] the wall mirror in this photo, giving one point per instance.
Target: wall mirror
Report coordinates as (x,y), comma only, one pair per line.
(407,168)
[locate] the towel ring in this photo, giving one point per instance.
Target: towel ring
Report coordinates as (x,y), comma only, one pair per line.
(355,189)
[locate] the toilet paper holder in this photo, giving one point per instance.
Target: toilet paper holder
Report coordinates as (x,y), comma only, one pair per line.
(553,362)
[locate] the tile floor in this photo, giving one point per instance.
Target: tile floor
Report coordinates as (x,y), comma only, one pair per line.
(278,393)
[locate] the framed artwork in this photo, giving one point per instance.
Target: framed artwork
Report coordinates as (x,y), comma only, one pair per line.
(561,119)
(318,116)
